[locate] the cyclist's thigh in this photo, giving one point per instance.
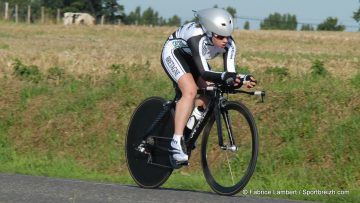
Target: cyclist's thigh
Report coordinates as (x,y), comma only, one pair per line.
(175,61)
(202,100)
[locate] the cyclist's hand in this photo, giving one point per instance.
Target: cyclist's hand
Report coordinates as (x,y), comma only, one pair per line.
(237,83)
(228,78)
(248,80)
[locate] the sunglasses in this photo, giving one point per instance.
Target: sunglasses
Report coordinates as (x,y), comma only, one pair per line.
(219,37)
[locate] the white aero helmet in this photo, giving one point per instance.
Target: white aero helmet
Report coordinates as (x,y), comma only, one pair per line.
(215,21)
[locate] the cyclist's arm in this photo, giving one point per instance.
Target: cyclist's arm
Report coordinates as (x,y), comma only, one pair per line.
(229,59)
(229,56)
(195,44)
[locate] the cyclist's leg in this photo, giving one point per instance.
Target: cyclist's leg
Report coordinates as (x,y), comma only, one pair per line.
(176,64)
(201,101)
(185,105)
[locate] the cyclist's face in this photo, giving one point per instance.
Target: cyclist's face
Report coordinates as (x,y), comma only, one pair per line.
(220,41)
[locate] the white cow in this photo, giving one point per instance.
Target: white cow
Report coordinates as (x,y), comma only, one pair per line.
(78,19)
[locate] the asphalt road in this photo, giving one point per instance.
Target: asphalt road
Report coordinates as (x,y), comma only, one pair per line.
(29,189)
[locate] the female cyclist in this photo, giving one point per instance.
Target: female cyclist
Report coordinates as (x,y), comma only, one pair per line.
(184,59)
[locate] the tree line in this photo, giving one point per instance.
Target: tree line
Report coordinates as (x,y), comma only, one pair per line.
(111,9)
(114,12)
(277,21)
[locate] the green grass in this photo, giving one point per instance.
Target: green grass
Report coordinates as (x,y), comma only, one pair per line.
(75,127)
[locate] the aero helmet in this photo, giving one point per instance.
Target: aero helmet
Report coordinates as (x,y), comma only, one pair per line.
(215,21)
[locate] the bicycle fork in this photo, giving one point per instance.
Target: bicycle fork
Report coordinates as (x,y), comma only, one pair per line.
(219,111)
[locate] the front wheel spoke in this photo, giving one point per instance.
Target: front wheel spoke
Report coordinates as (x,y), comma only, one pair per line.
(229,166)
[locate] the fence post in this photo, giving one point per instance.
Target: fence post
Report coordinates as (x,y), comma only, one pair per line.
(42,15)
(29,14)
(102,20)
(58,16)
(6,17)
(16,14)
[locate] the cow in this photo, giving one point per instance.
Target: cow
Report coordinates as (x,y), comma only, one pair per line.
(78,19)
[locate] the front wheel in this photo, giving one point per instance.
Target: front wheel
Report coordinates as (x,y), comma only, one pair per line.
(228,169)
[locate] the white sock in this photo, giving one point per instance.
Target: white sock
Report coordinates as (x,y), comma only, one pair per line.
(177,138)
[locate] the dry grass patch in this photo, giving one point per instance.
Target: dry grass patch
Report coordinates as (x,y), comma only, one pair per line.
(93,50)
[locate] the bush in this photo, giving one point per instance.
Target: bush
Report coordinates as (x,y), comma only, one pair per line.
(24,72)
(318,69)
(56,72)
(330,24)
(278,72)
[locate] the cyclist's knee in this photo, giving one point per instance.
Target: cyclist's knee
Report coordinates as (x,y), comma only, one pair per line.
(189,92)
(188,87)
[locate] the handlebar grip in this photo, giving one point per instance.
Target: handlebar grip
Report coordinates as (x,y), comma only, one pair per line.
(259,93)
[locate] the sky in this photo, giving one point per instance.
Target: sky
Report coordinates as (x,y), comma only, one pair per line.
(306,11)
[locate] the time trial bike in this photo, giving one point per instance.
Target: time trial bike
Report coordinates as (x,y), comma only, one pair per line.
(229,146)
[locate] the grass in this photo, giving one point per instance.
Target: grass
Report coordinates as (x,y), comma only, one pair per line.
(67,95)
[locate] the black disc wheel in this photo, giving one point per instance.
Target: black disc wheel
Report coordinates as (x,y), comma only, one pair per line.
(228,169)
(145,172)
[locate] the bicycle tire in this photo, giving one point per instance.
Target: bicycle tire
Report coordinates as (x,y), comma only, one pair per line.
(227,172)
(144,174)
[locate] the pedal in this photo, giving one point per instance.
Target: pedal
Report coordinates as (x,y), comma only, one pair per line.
(177,164)
(184,163)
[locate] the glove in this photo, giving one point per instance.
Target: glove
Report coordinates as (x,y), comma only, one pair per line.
(228,78)
(246,79)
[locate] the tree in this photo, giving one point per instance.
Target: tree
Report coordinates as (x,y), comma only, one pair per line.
(356,15)
(330,24)
(113,10)
(134,17)
(150,17)
(53,4)
(247,25)
(174,21)
(276,21)
(232,11)
(22,6)
(162,21)
(307,27)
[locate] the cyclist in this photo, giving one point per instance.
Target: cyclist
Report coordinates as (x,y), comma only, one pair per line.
(184,59)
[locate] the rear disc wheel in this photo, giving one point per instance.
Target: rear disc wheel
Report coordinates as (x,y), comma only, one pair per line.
(144,174)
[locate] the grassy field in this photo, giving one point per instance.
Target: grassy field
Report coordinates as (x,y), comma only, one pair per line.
(67,94)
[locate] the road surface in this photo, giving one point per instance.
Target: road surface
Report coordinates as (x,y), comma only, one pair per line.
(37,189)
